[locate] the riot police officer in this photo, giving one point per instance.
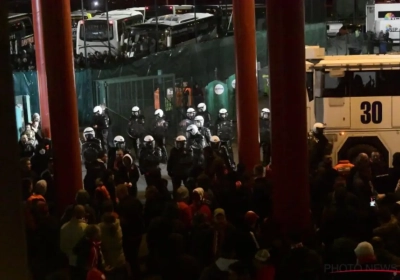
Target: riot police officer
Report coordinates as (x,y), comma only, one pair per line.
(199,121)
(119,144)
(136,130)
(319,146)
(222,152)
(202,111)
(183,125)
(180,162)
(150,157)
(224,130)
(159,132)
(197,143)
(101,123)
(265,135)
(91,146)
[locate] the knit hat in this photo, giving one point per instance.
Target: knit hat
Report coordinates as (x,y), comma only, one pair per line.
(364,249)
(262,255)
(219,211)
(182,193)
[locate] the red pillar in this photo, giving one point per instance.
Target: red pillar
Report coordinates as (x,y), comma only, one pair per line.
(57,39)
(285,21)
(246,82)
(41,67)
(13,259)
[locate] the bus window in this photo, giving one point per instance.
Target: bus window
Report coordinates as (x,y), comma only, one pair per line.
(28,26)
(334,86)
(96,30)
(129,22)
(376,83)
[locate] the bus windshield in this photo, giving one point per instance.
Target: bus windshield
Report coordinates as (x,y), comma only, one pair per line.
(96,30)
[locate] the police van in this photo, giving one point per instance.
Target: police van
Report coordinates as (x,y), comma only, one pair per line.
(357,97)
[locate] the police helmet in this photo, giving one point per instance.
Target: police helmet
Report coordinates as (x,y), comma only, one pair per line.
(88,133)
(98,110)
(215,141)
(190,113)
(149,141)
(318,127)
(265,113)
(223,113)
(192,129)
(159,113)
(119,140)
(36,117)
(135,110)
(180,142)
(199,120)
(202,107)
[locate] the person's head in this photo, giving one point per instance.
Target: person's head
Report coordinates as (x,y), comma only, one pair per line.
(40,187)
(151,193)
(197,195)
(119,154)
(92,232)
(340,182)
(50,164)
(26,164)
(396,160)
(361,160)
(364,252)
(339,195)
(219,216)
(251,218)
(82,197)
(121,191)
(258,170)
(127,160)
(79,212)
(102,156)
(375,156)
(261,258)
(99,182)
(182,194)
(328,161)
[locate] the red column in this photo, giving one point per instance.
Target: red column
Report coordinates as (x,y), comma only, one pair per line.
(288,113)
(57,39)
(246,82)
(13,259)
(41,67)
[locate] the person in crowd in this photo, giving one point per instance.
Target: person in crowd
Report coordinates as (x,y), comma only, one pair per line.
(112,249)
(185,212)
(82,198)
(199,204)
(71,233)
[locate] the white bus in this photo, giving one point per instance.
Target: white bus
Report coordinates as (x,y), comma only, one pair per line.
(101,34)
(153,11)
(21,32)
(224,14)
(170,31)
(358,98)
(381,12)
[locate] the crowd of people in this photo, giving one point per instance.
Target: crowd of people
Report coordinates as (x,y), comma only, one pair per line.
(216,223)
(26,60)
